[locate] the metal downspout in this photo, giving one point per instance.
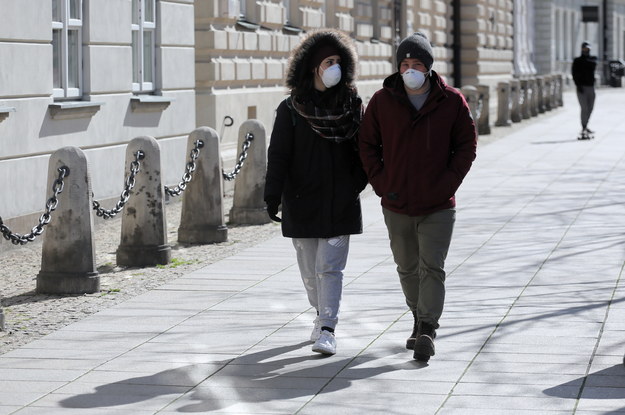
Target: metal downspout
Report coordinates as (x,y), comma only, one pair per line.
(605,66)
(457,49)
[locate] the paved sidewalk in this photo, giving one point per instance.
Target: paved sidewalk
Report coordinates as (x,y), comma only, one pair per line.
(534,321)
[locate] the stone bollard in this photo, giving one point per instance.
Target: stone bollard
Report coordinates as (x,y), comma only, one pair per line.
(548,92)
(559,99)
(483,122)
(68,253)
(248,206)
(202,219)
(540,93)
(472,97)
(144,230)
(515,100)
(503,104)
(534,97)
(525,99)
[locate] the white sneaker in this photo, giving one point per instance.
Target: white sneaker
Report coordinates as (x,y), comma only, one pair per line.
(316,332)
(325,344)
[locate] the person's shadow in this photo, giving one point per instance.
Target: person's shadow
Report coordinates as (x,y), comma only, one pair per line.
(269,383)
(605,384)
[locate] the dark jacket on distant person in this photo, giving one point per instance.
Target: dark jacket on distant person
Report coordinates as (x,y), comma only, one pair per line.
(583,70)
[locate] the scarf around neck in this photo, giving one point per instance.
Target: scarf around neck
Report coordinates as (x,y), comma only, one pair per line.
(337,124)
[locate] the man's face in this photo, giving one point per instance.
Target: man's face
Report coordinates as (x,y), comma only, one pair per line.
(412,63)
(586,50)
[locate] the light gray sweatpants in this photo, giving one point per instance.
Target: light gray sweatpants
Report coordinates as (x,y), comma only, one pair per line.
(321,263)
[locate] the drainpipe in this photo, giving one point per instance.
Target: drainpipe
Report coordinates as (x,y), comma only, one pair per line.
(606,72)
(457,44)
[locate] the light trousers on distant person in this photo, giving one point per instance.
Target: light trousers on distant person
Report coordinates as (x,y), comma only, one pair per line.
(321,263)
(586,100)
(420,245)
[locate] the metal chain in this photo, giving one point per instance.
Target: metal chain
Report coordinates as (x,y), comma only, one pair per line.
(130,183)
(237,167)
(187,176)
(51,205)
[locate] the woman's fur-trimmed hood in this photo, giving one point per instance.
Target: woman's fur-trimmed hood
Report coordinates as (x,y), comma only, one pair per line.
(299,68)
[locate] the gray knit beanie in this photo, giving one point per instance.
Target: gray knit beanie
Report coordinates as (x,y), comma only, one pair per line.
(416,46)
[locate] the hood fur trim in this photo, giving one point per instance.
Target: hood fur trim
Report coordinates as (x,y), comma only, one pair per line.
(299,67)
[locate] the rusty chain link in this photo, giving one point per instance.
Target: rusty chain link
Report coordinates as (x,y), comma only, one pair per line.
(130,183)
(51,205)
(237,168)
(190,168)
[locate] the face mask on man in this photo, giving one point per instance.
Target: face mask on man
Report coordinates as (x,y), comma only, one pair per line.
(331,76)
(413,79)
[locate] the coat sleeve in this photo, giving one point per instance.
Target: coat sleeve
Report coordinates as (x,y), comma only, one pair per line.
(575,72)
(463,148)
(464,144)
(370,146)
(279,153)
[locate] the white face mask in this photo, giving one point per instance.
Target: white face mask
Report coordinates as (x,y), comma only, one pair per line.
(413,79)
(331,76)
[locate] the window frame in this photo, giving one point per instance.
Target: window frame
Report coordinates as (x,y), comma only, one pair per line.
(63,54)
(142,25)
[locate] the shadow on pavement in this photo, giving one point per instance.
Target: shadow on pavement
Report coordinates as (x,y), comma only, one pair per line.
(246,378)
(606,384)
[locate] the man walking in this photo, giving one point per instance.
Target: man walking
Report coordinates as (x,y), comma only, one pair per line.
(417,142)
(583,71)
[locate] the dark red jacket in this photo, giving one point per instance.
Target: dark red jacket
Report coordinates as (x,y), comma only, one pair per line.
(416,160)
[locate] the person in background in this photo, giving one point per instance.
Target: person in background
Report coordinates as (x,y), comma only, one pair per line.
(417,142)
(314,172)
(583,71)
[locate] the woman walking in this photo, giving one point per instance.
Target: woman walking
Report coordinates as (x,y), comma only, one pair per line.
(315,173)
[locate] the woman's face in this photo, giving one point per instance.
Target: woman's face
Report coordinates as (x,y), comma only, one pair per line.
(325,64)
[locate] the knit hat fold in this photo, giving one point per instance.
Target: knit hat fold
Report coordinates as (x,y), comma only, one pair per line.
(416,46)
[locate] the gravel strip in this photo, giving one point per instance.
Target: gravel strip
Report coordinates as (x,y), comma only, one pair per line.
(30,316)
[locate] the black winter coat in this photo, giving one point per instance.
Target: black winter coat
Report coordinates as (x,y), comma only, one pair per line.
(583,70)
(317,180)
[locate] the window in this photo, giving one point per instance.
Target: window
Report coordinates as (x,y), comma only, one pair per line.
(67,48)
(143,45)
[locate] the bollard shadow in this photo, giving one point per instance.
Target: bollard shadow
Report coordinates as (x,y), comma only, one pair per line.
(32,297)
(606,384)
(251,378)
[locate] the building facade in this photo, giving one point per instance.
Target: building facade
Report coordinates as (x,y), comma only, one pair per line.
(92,74)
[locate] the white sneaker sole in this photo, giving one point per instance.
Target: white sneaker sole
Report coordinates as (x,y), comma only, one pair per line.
(323,350)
